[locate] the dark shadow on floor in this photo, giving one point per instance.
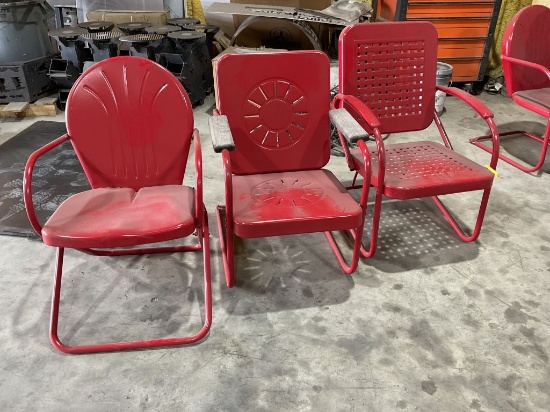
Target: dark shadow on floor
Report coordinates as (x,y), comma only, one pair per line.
(414,235)
(285,273)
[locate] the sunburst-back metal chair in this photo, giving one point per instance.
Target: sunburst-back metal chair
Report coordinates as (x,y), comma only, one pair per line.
(272,127)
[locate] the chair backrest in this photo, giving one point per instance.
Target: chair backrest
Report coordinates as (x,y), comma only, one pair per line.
(527,37)
(131,123)
(277,105)
(391,67)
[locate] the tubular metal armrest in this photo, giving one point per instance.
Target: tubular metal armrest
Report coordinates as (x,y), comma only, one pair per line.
(27,180)
(221,134)
(347,125)
(470,100)
(480,108)
(198,177)
(526,63)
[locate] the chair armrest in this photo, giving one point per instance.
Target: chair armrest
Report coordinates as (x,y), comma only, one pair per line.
(347,125)
(221,134)
(199,206)
(470,100)
(482,110)
(27,180)
(359,108)
(526,63)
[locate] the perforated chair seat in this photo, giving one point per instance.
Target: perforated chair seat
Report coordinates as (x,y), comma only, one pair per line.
(116,217)
(424,168)
(537,100)
(276,204)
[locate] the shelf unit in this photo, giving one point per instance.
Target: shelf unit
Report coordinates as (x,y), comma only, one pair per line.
(465,29)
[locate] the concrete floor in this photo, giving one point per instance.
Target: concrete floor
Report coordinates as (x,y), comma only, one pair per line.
(429,324)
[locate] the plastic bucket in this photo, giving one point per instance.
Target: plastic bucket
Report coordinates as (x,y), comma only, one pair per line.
(443,77)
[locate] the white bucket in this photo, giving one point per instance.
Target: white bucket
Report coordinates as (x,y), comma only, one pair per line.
(442,78)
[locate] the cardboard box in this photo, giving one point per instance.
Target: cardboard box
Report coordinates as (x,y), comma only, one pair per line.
(156,18)
(278,32)
(303,4)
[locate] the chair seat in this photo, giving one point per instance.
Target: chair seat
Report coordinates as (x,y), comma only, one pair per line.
(422,169)
(275,204)
(536,100)
(117,217)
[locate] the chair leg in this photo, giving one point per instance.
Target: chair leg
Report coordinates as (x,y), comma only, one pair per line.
(116,346)
(479,221)
(375,221)
(352,267)
(544,142)
(227,245)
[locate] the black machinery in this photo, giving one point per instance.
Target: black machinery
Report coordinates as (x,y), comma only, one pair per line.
(184,47)
(25,50)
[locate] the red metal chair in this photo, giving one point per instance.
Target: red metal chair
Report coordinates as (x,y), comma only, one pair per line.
(272,127)
(389,69)
(526,64)
(131,125)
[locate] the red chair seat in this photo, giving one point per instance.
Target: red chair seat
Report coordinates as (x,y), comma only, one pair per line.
(276,204)
(536,100)
(422,169)
(115,217)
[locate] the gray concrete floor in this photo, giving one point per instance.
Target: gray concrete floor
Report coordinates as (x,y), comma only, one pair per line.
(428,324)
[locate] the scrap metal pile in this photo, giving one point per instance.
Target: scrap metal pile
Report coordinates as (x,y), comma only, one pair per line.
(183,46)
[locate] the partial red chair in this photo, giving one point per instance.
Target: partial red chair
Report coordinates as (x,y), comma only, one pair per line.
(131,125)
(273,130)
(389,71)
(526,63)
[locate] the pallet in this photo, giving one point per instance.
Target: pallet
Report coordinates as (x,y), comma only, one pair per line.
(42,107)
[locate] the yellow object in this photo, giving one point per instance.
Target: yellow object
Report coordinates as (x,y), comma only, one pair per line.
(194,9)
(507,10)
(493,171)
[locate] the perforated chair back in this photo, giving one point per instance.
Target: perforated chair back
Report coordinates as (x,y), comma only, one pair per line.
(527,37)
(391,67)
(131,124)
(278,124)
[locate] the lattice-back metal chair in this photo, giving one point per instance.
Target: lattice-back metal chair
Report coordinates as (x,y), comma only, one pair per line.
(272,127)
(526,63)
(131,125)
(389,70)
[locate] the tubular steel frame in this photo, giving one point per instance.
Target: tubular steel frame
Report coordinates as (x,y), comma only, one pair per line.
(203,245)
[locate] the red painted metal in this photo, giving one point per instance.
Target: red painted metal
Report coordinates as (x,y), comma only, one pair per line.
(277,109)
(136,174)
(277,113)
(526,64)
(118,112)
(399,88)
(390,71)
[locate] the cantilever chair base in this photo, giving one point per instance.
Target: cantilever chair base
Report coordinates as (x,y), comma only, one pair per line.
(203,245)
(543,141)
